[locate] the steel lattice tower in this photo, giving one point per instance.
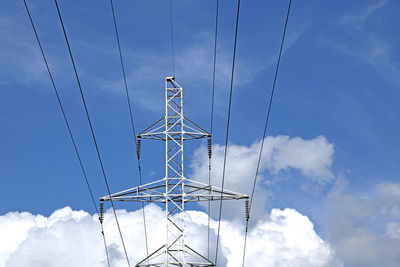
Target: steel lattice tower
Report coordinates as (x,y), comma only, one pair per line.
(174,190)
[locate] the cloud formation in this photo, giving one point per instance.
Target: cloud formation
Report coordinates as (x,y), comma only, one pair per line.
(364,228)
(312,158)
(72,238)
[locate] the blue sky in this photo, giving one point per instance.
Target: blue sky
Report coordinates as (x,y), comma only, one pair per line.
(339,78)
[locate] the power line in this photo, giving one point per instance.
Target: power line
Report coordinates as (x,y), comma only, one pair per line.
(227,128)
(265,129)
(68,126)
(211,125)
(91,128)
(131,118)
(172,38)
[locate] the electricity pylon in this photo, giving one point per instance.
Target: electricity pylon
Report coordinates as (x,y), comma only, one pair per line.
(174,190)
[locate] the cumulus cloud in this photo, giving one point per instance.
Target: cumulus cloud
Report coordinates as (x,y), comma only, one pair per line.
(281,238)
(72,238)
(364,228)
(312,158)
(285,238)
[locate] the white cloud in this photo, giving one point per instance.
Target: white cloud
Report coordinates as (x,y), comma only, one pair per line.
(364,229)
(72,238)
(29,240)
(312,158)
(285,238)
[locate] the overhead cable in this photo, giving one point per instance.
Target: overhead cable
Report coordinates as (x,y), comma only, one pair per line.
(227,130)
(91,129)
(137,146)
(211,124)
(265,131)
(68,126)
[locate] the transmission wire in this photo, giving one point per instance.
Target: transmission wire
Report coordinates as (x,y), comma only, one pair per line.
(172,39)
(227,129)
(212,124)
(92,130)
(68,126)
(265,131)
(131,117)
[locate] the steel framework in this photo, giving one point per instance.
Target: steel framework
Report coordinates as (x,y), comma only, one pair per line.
(174,190)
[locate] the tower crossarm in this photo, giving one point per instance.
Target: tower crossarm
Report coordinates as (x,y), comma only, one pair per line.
(190,130)
(155,192)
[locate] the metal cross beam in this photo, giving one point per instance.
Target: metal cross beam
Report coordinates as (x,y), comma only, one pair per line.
(174,190)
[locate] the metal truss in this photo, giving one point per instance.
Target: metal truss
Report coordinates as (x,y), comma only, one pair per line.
(155,192)
(174,190)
